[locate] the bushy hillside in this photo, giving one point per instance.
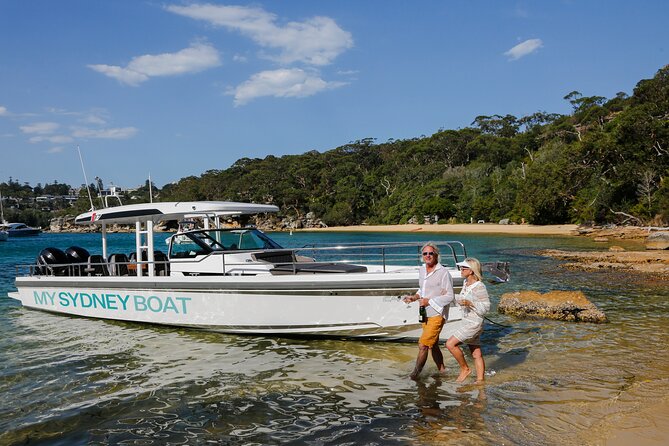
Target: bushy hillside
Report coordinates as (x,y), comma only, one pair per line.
(607,161)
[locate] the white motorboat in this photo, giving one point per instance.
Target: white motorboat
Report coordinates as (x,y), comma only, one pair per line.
(19,230)
(232,280)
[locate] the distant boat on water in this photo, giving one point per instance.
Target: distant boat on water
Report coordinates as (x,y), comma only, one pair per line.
(14,229)
(19,230)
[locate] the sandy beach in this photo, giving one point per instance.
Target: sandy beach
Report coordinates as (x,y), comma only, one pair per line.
(474,228)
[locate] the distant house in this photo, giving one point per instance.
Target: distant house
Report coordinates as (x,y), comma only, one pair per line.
(44,199)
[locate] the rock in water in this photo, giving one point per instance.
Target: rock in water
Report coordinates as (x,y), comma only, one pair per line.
(658,240)
(571,306)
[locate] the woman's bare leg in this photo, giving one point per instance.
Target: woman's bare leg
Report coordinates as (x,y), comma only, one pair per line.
(479,362)
(453,346)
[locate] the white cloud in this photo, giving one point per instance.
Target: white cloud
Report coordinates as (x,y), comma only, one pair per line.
(316,41)
(40,128)
(56,139)
(196,58)
(93,119)
(284,83)
(3,111)
(113,133)
(58,149)
(524,48)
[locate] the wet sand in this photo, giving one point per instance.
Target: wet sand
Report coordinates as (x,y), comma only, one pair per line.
(474,228)
(649,426)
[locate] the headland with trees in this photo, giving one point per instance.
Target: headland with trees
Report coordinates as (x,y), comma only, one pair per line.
(605,162)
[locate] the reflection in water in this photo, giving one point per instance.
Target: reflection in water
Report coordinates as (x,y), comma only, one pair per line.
(450,413)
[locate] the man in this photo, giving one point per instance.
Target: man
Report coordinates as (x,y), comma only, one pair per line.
(435,293)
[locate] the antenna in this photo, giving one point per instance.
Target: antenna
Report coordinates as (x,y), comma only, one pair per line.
(2,212)
(150,189)
(90,198)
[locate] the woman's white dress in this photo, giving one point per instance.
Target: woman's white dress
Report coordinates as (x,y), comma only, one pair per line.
(468,330)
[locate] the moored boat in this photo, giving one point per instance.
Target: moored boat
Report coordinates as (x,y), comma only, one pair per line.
(19,229)
(233,280)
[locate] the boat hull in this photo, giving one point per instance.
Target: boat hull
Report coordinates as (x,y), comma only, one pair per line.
(24,232)
(357,305)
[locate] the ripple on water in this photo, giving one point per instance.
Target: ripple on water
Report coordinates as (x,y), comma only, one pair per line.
(76,381)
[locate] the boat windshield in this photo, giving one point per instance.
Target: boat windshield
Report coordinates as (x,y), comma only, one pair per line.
(217,240)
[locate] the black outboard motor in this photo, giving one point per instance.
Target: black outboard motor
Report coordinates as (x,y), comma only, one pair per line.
(79,256)
(52,261)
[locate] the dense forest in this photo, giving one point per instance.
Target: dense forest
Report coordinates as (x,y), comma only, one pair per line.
(607,161)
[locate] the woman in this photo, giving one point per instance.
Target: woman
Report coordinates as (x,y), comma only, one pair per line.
(475,304)
(435,293)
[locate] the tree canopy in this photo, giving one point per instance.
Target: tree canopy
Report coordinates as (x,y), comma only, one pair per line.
(607,161)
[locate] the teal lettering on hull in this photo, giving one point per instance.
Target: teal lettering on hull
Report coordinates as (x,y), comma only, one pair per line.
(112,302)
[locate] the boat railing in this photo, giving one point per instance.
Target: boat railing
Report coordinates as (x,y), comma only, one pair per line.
(287,260)
(384,254)
(95,268)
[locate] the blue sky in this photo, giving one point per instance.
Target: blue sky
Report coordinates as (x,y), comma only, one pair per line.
(172,88)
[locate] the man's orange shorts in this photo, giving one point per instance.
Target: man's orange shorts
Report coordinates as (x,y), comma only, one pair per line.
(431,330)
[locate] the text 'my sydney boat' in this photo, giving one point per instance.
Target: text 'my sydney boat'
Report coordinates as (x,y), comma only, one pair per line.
(232,280)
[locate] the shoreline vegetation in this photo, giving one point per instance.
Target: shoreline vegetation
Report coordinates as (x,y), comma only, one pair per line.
(464,228)
(604,162)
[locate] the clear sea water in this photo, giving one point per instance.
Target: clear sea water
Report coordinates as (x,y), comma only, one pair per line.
(72,381)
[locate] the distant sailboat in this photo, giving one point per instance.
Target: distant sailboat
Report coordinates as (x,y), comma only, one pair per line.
(4,235)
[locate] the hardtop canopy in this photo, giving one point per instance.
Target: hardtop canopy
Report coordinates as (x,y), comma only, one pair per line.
(178,210)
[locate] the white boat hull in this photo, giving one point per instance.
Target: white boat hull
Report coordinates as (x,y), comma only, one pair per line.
(354,305)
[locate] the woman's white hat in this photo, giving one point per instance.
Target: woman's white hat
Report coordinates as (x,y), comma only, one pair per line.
(465,264)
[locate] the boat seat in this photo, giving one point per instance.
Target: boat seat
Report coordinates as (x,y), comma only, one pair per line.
(274,256)
(162,263)
(97,266)
(118,265)
(133,263)
(317,268)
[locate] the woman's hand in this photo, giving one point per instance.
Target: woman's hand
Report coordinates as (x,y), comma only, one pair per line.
(466,303)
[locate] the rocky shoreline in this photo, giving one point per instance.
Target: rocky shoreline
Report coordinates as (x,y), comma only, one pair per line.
(568,306)
(607,233)
(653,264)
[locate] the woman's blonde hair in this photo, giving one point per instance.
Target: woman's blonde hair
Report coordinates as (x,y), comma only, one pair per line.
(475,267)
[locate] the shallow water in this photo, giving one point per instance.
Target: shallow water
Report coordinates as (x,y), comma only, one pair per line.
(66,380)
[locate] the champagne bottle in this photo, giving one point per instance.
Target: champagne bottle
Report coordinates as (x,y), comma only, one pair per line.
(422,314)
